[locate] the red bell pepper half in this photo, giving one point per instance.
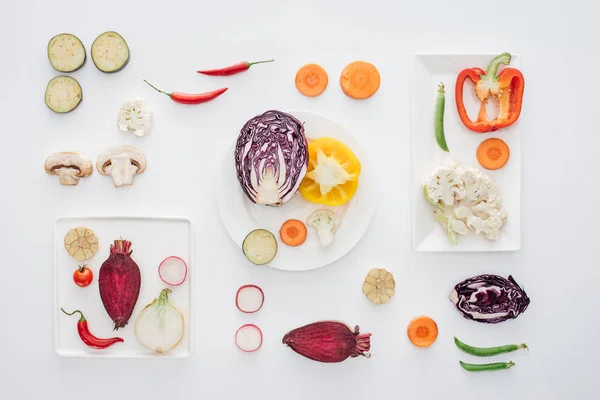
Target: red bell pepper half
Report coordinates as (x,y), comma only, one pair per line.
(507,86)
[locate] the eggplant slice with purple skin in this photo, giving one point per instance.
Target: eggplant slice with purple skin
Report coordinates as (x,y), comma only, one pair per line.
(489,298)
(110,52)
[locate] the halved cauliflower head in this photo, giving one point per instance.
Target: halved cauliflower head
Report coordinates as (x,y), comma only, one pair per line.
(444,185)
(466,200)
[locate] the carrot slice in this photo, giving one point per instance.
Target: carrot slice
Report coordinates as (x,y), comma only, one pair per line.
(493,153)
(360,80)
(293,232)
(311,80)
(422,331)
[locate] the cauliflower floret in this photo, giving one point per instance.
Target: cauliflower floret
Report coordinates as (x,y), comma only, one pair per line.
(479,187)
(466,200)
(489,226)
(135,116)
(444,186)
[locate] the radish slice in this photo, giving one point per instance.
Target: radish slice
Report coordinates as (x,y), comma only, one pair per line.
(173,271)
(249,299)
(248,338)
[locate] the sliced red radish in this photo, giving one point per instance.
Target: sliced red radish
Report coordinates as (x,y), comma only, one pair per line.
(248,338)
(173,271)
(249,299)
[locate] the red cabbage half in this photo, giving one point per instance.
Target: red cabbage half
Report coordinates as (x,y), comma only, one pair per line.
(489,298)
(271,157)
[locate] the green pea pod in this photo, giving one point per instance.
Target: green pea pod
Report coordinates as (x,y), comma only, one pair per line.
(439,118)
(486,367)
(488,351)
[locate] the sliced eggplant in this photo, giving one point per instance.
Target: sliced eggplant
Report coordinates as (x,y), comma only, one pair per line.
(63,94)
(110,52)
(260,246)
(66,53)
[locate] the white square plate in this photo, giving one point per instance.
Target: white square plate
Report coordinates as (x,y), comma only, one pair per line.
(429,71)
(152,240)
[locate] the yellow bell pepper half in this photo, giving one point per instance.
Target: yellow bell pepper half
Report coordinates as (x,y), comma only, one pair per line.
(332,175)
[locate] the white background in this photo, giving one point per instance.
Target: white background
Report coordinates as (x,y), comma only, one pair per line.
(558,263)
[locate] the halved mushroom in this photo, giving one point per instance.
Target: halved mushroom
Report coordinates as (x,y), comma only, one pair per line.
(69,167)
(122,163)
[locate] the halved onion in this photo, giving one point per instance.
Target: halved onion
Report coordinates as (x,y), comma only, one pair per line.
(160,325)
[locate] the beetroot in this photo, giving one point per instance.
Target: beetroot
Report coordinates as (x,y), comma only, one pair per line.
(119,282)
(328,341)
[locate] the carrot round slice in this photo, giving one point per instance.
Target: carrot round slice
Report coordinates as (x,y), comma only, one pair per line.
(422,331)
(493,153)
(360,80)
(311,80)
(293,232)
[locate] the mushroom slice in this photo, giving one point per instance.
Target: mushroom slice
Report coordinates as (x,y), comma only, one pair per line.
(122,163)
(69,167)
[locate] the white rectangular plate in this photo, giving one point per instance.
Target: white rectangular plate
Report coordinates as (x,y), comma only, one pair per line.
(429,71)
(152,240)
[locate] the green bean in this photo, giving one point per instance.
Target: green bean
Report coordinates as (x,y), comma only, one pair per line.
(488,351)
(486,367)
(439,118)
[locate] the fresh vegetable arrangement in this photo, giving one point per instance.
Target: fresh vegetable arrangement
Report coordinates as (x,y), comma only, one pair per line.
(328,341)
(160,325)
(119,282)
(508,86)
(465,200)
(489,298)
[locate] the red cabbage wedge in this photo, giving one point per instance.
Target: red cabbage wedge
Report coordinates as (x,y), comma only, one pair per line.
(489,298)
(271,157)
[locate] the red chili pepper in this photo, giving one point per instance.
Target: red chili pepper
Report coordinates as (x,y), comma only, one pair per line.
(232,70)
(186,98)
(507,86)
(89,339)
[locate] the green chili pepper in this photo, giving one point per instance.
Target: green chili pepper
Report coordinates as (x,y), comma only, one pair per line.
(486,367)
(439,117)
(488,351)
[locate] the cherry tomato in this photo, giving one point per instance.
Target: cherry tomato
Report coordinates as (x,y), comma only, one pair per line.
(83,276)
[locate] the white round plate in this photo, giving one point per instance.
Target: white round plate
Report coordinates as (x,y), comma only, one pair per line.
(240,215)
